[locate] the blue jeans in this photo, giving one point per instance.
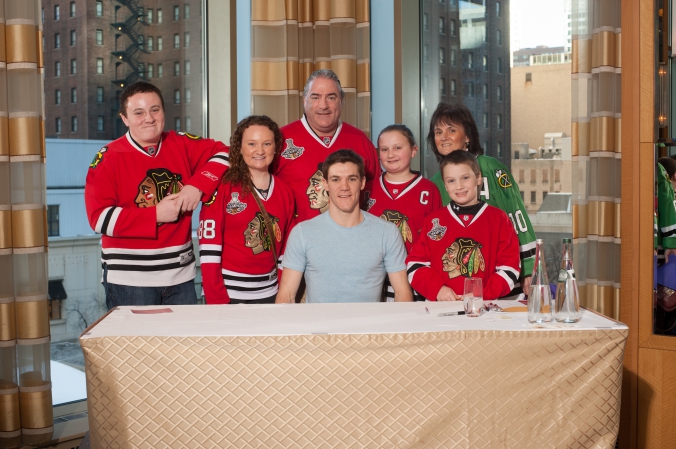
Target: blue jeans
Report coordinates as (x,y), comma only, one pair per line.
(127,295)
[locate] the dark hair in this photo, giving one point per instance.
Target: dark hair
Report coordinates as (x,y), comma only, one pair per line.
(239,173)
(458,158)
(139,87)
(341,157)
(403,129)
(459,115)
(669,165)
(326,74)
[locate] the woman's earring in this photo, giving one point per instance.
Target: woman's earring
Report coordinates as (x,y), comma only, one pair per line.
(466,145)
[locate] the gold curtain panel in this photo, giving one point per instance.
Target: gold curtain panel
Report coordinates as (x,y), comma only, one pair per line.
(21,44)
(28,228)
(7,324)
(24,136)
(32,319)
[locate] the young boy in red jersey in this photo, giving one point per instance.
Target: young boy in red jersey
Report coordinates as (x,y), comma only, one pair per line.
(399,195)
(467,238)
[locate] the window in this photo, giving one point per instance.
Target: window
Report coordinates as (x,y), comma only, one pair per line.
(470,89)
(453,87)
(454,61)
(186,11)
(151,70)
(544,195)
(177,13)
(57,40)
(186,39)
(57,12)
(442,86)
(57,96)
(73,94)
(57,68)
(188,124)
(99,65)
(99,8)
(73,66)
(149,15)
(545,175)
(485,91)
(177,124)
(99,123)
(532,197)
(159,16)
(557,175)
(485,63)
(533,175)
(521,193)
(177,96)
(187,100)
(499,92)
(485,122)
(99,37)
(470,60)
(498,37)
(99,94)
(442,25)
(498,149)
(142,69)
(159,70)
(186,69)
(73,124)
(177,40)
(72,9)
(497,9)
(159,42)
(177,68)
(453,29)
(521,173)
(53,220)
(499,121)
(149,43)
(499,65)
(426,25)
(72,38)
(442,55)
(57,125)
(43,15)
(529,77)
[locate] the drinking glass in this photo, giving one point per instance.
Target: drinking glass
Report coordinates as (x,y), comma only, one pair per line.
(473,298)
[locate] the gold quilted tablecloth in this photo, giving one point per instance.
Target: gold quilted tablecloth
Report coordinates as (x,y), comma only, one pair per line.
(438,389)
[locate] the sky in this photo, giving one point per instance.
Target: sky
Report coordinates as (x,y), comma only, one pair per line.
(538,22)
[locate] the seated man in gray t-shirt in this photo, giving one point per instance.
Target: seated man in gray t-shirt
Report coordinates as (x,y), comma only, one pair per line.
(345,253)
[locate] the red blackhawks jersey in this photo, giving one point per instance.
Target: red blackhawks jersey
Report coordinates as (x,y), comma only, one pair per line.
(124,183)
(235,245)
(453,247)
(299,164)
(405,205)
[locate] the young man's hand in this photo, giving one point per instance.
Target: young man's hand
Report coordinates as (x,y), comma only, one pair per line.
(188,198)
(447,294)
(167,210)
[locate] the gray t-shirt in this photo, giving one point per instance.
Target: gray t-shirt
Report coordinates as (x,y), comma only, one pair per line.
(345,264)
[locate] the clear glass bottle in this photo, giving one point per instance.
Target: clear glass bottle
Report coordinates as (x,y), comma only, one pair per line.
(567,297)
(540,295)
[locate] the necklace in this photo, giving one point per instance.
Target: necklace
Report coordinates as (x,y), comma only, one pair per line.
(264,192)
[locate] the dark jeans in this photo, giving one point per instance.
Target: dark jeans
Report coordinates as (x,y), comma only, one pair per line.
(127,295)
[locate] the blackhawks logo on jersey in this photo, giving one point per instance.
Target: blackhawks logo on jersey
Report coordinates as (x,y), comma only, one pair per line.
(234,206)
(158,183)
(503,179)
(463,258)
(437,232)
(401,221)
(98,158)
(256,235)
(291,151)
(189,136)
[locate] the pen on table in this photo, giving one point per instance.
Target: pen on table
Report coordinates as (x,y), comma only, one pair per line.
(427,310)
(451,313)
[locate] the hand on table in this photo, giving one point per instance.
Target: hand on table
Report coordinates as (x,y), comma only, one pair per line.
(447,294)
(525,285)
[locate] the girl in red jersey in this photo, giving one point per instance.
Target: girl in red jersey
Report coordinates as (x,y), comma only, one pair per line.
(399,195)
(243,230)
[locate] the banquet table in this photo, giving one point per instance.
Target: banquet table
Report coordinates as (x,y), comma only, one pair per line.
(368,375)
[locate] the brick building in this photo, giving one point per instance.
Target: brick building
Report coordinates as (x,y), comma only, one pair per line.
(92,49)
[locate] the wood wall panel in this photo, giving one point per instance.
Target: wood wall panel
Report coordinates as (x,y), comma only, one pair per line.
(657,399)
